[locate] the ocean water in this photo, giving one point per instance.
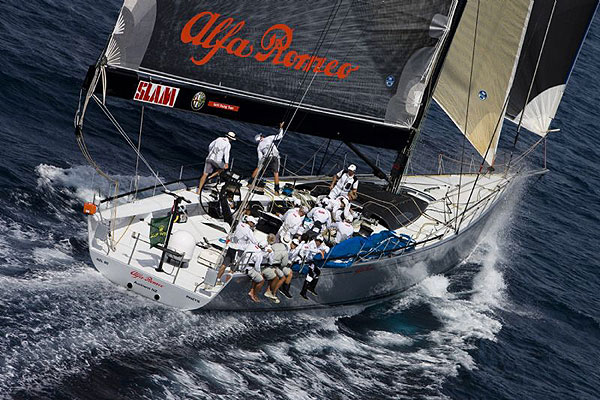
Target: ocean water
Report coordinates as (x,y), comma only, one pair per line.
(519,319)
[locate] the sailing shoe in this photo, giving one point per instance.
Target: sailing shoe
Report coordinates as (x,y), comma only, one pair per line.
(269,295)
(312,290)
(286,291)
(275,299)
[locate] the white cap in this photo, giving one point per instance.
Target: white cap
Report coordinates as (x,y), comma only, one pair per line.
(349,218)
(297,202)
(258,137)
(296,241)
(230,135)
(285,239)
(304,210)
(252,219)
(263,244)
(320,237)
(352,167)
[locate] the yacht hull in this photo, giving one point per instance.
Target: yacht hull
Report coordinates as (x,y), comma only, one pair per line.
(367,283)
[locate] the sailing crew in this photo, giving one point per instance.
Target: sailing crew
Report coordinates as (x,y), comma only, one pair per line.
(292,223)
(242,237)
(251,261)
(339,207)
(217,159)
(268,154)
(295,253)
(278,272)
(320,217)
(344,229)
(316,246)
(344,184)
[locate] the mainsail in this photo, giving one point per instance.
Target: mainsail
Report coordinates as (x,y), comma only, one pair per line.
(554,37)
(358,71)
(478,72)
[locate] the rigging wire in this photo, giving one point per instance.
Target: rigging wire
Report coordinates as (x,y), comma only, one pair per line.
(537,65)
(467,115)
(262,166)
(137,158)
(127,139)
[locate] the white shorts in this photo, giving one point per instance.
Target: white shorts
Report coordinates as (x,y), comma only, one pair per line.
(211,166)
(254,275)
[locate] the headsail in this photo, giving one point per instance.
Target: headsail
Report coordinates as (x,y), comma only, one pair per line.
(483,57)
(375,61)
(562,30)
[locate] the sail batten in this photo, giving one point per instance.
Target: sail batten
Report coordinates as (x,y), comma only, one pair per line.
(372,62)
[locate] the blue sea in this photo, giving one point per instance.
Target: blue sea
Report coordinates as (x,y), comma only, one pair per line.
(519,319)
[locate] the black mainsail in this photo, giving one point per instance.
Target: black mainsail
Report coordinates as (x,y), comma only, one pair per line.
(357,71)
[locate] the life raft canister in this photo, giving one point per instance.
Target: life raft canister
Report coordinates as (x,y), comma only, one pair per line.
(89,208)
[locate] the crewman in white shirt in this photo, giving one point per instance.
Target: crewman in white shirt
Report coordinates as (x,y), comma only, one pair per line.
(344,184)
(242,237)
(315,247)
(217,159)
(268,154)
(344,229)
(251,261)
(292,223)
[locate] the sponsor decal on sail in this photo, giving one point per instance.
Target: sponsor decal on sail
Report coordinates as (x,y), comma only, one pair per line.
(155,93)
(198,101)
(223,106)
(213,33)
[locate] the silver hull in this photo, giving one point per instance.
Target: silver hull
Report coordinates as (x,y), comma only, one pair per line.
(368,283)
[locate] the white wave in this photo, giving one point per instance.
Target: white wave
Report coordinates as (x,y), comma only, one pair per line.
(83,182)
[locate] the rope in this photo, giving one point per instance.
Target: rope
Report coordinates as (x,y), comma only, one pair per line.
(137,158)
(467,112)
(127,139)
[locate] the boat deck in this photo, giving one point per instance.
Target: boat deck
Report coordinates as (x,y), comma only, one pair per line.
(129,223)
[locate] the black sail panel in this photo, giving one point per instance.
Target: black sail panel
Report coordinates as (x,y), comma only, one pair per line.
(567,27)
(354,68)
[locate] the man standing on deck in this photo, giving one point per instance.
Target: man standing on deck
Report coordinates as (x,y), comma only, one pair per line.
(268,154)
(344,184)
(217,159)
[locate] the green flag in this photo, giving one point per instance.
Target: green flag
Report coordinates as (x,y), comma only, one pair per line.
(158,230)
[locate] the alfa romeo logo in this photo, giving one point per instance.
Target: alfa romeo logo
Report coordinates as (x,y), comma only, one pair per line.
(198,101)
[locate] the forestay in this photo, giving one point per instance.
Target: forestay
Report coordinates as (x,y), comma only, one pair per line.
(478,72)
(554,37)
(360,71)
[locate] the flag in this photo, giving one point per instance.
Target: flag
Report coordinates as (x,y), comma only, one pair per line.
(158,230)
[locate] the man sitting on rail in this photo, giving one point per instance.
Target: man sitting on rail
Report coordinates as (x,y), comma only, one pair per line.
(312,277)
(251,264)
(241,238)
(277,273)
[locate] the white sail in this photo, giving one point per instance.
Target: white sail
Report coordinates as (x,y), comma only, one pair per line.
(478,73)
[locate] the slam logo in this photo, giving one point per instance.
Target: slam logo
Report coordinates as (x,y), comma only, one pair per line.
(154,93)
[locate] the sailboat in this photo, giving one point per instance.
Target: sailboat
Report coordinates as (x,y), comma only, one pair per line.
(363,73)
